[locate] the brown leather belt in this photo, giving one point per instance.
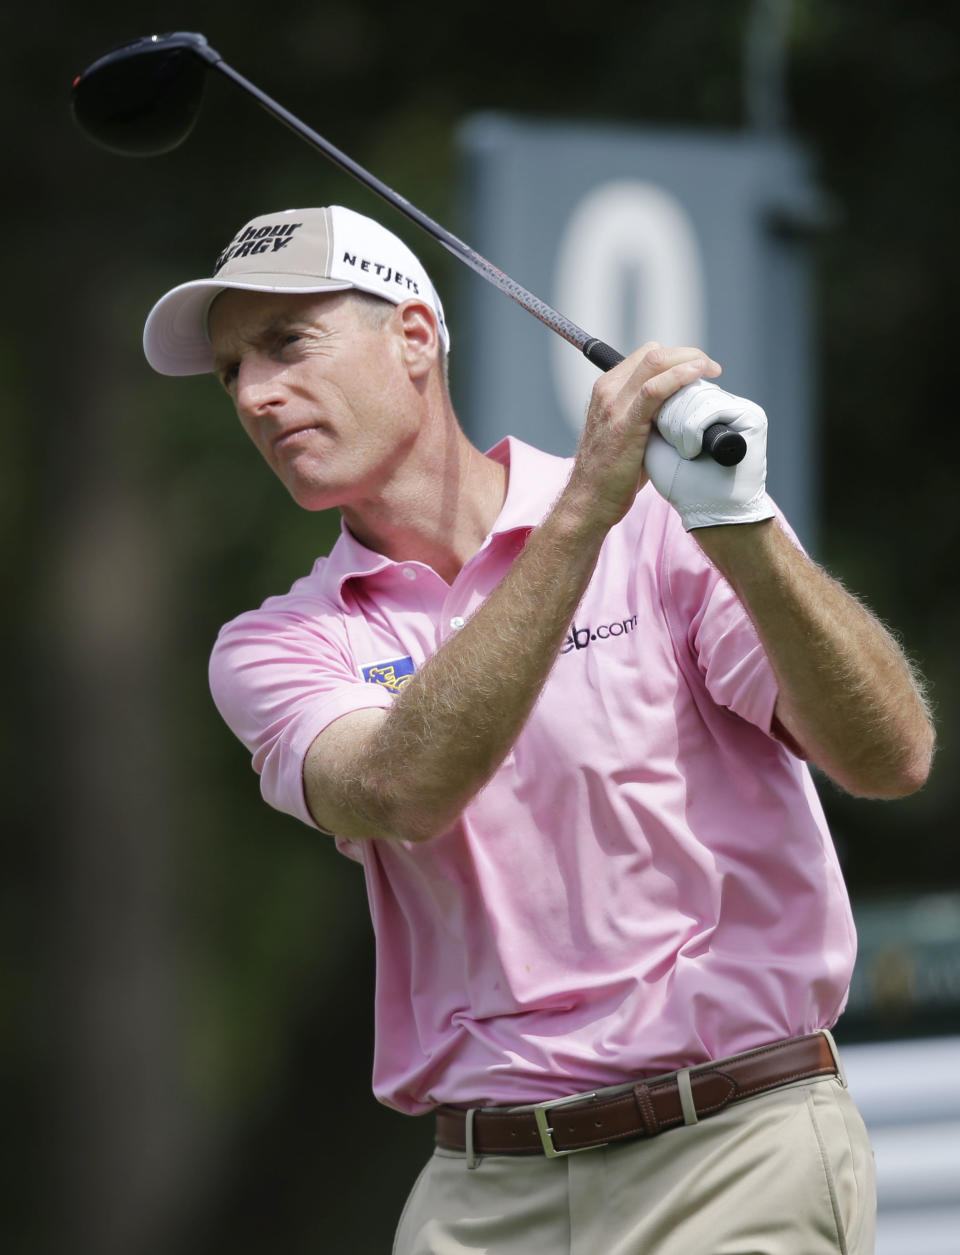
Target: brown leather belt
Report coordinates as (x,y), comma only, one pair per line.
(585,1121)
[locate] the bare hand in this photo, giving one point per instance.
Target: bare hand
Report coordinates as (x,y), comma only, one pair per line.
(609,468)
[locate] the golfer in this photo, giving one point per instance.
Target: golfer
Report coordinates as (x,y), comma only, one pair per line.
(562,712)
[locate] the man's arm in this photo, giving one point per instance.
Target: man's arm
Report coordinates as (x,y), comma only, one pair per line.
(848,696)
(408,772)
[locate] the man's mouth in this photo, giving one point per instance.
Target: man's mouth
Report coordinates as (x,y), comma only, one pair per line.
(293,436)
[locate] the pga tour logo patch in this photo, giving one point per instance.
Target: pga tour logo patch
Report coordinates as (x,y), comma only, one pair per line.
(392,674)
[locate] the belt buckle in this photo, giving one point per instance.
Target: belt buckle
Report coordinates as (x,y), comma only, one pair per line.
(540,1110)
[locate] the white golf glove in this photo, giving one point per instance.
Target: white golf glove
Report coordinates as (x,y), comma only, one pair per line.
(700,490)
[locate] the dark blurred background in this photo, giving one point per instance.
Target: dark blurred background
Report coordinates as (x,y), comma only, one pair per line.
(187,976)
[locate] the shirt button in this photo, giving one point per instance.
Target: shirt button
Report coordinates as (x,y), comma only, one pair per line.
(457,622)
(409,573)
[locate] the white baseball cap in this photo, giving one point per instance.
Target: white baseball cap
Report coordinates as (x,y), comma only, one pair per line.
(296,250)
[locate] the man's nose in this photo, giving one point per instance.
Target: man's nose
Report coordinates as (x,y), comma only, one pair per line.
(258,385)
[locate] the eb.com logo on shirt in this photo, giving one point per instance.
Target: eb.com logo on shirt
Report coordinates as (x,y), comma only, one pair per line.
(391,674)
(580,638)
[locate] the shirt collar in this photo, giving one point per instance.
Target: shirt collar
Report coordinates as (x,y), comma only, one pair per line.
(534,481)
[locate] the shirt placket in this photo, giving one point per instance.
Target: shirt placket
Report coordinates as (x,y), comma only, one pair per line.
(476,580)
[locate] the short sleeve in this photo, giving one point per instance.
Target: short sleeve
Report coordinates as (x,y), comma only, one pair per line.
(278,678)
(713,632)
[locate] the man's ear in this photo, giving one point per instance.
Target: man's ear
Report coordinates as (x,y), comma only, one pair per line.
(420,338)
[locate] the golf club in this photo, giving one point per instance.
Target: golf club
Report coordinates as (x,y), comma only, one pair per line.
(142,99)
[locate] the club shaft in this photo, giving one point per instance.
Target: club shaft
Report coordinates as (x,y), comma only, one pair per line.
(720,443)
(532,304)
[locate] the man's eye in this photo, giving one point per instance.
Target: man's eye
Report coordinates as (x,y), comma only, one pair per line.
(229,374)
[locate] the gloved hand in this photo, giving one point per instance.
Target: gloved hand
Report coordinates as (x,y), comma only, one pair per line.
(703,492)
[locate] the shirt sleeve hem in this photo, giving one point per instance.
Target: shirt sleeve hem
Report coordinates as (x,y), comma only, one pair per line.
(363,697)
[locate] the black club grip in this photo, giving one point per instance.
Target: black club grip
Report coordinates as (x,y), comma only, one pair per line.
(725,446)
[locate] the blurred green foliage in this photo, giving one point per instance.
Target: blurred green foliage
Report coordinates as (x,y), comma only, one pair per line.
(187,978)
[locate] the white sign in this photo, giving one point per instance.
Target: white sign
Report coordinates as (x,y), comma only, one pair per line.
(628,270)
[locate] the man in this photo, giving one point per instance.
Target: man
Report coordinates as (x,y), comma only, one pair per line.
(559,713)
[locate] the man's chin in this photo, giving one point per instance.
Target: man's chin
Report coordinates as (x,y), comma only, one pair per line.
(312,497)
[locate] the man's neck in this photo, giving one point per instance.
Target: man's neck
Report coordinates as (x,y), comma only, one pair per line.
(441,515)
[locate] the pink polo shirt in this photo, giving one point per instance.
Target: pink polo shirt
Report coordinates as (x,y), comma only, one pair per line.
(646,883)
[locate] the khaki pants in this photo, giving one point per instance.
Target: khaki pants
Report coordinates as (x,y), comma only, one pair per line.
(788,1173)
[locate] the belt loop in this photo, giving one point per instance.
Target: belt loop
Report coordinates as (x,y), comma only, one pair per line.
(686,1097)
(841,1075)
(648,1115)
(472,1158)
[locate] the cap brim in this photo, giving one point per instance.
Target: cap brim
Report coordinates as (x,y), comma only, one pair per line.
(175,338)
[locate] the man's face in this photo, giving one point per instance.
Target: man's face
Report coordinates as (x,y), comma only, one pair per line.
(320,388)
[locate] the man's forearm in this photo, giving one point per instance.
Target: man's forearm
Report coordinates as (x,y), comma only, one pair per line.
(847,693)
(409,773)
(454,723)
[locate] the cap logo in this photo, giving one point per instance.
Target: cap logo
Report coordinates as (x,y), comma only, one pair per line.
(378,268)
(266,239)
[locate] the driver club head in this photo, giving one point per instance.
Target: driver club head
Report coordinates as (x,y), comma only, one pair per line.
(142,99)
